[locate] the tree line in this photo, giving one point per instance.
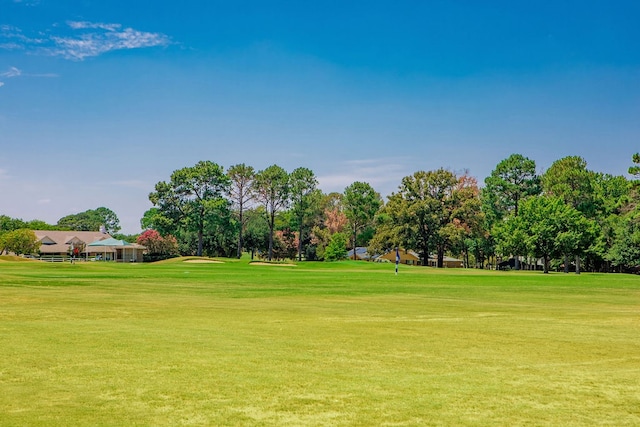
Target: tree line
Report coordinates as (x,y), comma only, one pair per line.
(568,217)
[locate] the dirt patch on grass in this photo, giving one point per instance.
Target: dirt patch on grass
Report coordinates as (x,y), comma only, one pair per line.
(274,264)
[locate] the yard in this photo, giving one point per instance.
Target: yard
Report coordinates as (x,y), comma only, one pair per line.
(335,344)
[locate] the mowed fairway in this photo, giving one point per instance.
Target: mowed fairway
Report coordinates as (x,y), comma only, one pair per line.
(337,344)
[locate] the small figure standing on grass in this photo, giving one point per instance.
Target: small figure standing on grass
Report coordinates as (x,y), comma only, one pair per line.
(74,251)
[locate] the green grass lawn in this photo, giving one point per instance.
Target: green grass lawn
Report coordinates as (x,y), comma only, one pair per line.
(335,344)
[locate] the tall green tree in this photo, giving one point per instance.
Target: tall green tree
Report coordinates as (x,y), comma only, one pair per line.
(623,231)
(9,224)
(512,236)
(256,237)
(92,220)
(635,169)
(409,219)
(271,188)
(20,242)
(242,177)
(625,249)
(387,235)
(513,180)
(421,214)
(37,224)
(304,195)
(193,199)
(337,248)
(361,203)
(576,234)
(569,179)
(330,219)
(465,233)
(547,228)
(452,205)
(612,199)
(109,219)
(150,218)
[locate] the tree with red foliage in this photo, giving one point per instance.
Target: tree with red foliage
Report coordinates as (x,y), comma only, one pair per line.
(158,247)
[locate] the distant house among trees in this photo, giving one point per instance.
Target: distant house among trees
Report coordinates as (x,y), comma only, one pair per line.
(59,245)
(510,264)
(360,254)
(447,261)
(410,257)
(407,257)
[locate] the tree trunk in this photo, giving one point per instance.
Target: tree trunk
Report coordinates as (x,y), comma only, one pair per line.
(517,264)
(240,242)
(546,264)
(272,220)
(355,232)
(566,263)
(300,242)
(440,257)
(577,264)
(200,237)
(424,257)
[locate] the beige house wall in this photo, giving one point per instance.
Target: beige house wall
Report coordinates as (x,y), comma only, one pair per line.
(406,257)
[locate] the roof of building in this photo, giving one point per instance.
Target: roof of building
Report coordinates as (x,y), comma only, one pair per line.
(361,252)
(54,241)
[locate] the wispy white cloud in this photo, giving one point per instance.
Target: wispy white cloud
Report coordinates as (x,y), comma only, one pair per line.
(43,201)
(94,44)
(16,72)
(28,2)
(383,174)
(11,46)
(81,25)
(85,39)
(13,39)
(13,72)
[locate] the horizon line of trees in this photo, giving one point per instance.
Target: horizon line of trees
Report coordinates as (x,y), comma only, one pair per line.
(568,217)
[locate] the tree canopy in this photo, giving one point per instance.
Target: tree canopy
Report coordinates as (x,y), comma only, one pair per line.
(240,193)
(193,200)
(271,189)
(513,179)
(91,220)
(360,203)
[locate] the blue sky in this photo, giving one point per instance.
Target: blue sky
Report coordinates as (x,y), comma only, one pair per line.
(101,100)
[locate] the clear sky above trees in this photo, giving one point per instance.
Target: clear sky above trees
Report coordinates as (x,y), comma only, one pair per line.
(354,91)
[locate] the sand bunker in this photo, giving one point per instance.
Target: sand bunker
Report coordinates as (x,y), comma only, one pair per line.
(203,261)
(273,264)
